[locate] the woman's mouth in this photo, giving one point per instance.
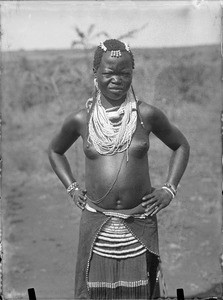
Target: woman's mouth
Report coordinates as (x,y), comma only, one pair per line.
(115,88)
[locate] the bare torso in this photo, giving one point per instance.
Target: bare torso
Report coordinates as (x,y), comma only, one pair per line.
(120,184)
(121,181)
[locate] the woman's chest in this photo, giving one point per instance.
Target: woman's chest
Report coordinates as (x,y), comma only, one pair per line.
(139,145)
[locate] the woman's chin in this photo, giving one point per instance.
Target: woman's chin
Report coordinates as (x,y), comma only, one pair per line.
(116,95)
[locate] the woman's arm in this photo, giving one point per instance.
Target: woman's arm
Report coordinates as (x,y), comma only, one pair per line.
(68,134)
(176,141)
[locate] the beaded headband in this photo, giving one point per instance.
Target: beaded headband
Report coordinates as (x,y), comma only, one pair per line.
(114,53)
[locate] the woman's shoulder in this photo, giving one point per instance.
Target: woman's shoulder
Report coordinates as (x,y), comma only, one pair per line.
(75,120)
(154,118)
(81,115)
(149,111)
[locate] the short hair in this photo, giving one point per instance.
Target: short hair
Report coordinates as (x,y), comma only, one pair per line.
(111,45)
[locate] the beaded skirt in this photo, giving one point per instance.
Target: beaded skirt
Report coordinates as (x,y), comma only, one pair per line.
(119,267)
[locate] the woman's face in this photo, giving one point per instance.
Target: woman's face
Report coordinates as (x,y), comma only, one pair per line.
(114,76)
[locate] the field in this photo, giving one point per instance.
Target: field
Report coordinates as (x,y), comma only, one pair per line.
(40,224)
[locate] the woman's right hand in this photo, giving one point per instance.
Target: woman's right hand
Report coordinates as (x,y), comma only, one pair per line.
(79,198)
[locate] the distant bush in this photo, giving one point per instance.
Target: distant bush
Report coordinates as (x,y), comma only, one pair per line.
(23,160)
(35,91)
(182,82)
(35,82)
(41,89)
(65,79)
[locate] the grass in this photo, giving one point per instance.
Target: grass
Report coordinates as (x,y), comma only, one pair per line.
(41,88)
(39,91)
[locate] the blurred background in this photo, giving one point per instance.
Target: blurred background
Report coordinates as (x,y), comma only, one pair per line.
(47,53)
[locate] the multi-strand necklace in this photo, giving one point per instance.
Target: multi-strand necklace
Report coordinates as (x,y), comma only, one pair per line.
(111,130)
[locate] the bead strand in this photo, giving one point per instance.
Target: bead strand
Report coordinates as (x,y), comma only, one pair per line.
(109,138)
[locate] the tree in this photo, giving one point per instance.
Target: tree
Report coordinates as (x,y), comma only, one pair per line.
(86,39)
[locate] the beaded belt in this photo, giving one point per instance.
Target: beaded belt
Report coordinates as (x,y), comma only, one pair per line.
(116,241)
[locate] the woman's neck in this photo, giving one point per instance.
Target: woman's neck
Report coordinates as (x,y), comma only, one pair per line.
(109,103)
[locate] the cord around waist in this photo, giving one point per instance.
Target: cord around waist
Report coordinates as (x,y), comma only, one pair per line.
(136,212)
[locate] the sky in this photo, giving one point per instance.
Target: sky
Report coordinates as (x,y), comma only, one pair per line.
(31,25)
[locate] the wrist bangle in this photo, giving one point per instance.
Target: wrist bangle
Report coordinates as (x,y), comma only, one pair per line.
(169,191)
(73,186)
(171,187)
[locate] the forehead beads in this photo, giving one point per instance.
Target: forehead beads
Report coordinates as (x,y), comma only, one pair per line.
(116,53)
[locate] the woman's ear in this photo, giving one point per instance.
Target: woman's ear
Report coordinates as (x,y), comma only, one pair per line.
(95,82)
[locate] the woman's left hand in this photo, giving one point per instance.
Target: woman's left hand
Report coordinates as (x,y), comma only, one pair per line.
(156,201)
(79,197)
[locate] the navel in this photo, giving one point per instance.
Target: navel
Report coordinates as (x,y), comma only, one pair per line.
(118,202)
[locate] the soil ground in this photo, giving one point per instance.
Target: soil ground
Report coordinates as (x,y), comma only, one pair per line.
(40,224)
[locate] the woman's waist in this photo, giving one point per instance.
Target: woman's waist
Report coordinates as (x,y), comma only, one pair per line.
(137,210)
(116,199)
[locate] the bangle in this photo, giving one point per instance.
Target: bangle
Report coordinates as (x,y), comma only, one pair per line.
(73,186)
(171,187)
(169,191)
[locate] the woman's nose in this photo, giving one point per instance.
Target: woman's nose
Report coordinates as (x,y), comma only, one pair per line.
(116,78)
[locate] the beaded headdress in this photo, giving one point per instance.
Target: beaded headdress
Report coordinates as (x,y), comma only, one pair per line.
(115,47)
(114,53)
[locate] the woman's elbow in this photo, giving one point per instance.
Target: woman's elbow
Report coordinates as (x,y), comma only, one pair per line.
(186,147)
(50,151)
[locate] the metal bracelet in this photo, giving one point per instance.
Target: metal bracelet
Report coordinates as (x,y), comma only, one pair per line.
(171,187)
(168,190)
(73,186)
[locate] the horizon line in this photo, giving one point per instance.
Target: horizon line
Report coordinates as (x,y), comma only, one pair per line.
(92,48)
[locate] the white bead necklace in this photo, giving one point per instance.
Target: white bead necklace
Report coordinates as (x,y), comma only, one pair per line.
(109,136)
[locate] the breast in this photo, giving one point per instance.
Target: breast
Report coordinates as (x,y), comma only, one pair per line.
(89,150)
(140,143)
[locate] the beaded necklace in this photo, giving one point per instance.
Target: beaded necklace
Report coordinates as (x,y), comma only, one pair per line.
(111,130)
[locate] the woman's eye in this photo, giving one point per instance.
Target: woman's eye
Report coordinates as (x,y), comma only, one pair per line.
(120,74)
(125,75)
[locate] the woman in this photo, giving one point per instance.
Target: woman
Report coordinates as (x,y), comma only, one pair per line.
(118,243)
